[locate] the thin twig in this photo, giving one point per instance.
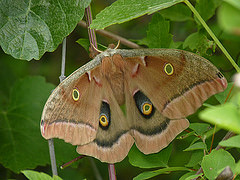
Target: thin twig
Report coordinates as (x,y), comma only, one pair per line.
(64,44)
(214,131)
(72,161)
(113,36)
(52,157)
(50,141)
(112,172)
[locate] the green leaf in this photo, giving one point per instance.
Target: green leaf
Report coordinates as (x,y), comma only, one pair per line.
(185,176)
(218,2)
(85,44)
(198,42)
(222,96)
(206,8)
(176,45)
(210,133)
(196,146)
(195,159)
(199,128)
(30,28)
(124,10)
(22,146)
(150,174)
(225,116)
(231,142)
(137,158)
(178,12)
(158,35)
(190,176)
(34,175)
(10,71)
(215,162)
(229,15)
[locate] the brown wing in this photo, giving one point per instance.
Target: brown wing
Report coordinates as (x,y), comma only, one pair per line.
(172,86)
(181,92)
(75,121)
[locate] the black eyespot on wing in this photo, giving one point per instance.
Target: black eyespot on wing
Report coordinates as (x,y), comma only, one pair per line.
(105,116)
(144,105)
(220,75)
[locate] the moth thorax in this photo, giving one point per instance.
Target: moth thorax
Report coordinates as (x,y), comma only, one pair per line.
(116,83)
(112,70)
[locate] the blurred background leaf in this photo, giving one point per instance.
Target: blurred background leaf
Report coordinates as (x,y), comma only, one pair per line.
(229,15)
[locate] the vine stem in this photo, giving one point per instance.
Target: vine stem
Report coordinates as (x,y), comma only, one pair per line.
(91,32)
(93,41)
(212,35)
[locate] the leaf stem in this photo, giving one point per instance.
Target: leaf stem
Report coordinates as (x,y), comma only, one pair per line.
(212,35)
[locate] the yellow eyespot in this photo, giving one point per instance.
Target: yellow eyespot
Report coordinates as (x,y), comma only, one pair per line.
(147,109)
(103,120)
(168,69)
(75,94)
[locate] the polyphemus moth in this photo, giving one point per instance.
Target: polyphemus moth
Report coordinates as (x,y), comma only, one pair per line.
(159,88)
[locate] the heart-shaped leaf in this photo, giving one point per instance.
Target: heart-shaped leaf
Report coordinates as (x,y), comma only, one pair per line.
(30,28)
(22,146)
(215,162)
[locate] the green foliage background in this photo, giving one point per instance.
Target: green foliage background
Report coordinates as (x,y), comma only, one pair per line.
(34,29)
